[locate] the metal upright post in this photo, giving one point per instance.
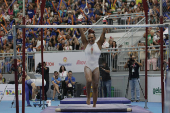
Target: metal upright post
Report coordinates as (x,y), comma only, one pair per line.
(15,66)
(23,60)
(42,47)
(146,53)
(161,49)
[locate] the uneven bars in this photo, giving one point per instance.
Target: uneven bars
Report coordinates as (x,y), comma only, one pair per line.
(90,26)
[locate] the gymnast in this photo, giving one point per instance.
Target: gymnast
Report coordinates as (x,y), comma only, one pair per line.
(92,54)
(29,87)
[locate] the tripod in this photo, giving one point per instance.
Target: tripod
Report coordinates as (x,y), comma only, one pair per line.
(128,88)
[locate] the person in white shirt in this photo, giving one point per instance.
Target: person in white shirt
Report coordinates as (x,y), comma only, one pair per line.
(105,44)
(39,42)
(63,75)
(67,47)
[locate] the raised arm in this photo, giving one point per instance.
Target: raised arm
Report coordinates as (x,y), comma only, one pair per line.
(101,40)
(83,37)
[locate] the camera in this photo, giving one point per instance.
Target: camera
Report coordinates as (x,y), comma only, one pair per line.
(38,70)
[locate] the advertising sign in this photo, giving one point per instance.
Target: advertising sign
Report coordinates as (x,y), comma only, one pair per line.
(74,61)
(154,89)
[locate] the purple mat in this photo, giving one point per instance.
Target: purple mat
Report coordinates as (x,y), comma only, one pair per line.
(135,109)
(115,100)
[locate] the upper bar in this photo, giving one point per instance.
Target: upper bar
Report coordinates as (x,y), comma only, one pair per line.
(90,26)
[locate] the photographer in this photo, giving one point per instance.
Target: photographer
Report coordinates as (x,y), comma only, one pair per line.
(105,73)
(46,76)
(133,66)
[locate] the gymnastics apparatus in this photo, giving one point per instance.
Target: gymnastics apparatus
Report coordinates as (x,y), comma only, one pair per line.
(79,104)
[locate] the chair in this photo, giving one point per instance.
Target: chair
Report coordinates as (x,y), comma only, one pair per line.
(69,92)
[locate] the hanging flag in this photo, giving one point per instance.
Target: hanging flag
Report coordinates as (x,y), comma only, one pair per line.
(11,24)
(6,3)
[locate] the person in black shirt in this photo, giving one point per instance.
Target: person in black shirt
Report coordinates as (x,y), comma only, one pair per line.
(61,46)
(46,77)
(133,66)
(105,73)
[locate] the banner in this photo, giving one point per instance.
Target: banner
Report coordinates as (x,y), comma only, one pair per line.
(154,89)
(2,89)
(10,92)
(74,61)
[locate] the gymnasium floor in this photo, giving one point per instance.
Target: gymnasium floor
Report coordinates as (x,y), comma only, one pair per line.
(5,107)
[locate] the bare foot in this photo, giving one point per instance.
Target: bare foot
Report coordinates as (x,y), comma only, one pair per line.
(88,101)
(94,105)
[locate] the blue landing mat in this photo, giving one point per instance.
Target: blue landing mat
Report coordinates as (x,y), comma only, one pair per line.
(114,100)
(135,109)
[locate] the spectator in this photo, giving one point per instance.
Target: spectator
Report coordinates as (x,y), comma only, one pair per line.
(150,36)
(46,77)
(2,80)
(16,8)
(105,44)
(10,11)
(75,43)
(105,73)
(114,55)
(30,11)
(38,46)
(63,73)
(61,46)
(142,55)
(67,47)
(70,82)
(30,58)
(7,61)
(55,84)
(153,59)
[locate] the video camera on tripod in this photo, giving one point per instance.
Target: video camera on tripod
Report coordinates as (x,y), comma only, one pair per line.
(38,69)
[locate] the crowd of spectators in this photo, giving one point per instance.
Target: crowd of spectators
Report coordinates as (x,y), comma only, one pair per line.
(58,12)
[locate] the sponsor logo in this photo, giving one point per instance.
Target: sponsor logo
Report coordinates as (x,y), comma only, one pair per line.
(157,91)
(1,93)
(65,62)
(65,59)
(49,63)
(80,62)
(12,92)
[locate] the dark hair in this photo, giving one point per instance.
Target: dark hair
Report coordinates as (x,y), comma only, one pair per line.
(91,31)
(61,69)
(69,71)
(115,44)
(55,71)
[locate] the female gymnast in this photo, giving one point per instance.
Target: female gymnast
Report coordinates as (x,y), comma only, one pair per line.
(92,54)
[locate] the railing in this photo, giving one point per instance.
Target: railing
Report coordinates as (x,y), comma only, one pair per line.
(6,59)
(116,16)
(118,64)
(132,31)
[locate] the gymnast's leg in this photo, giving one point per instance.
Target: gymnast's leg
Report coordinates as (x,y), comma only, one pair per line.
(88,76)
(95,82)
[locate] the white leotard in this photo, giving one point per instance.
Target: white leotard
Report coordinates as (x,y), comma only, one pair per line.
(92,58)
